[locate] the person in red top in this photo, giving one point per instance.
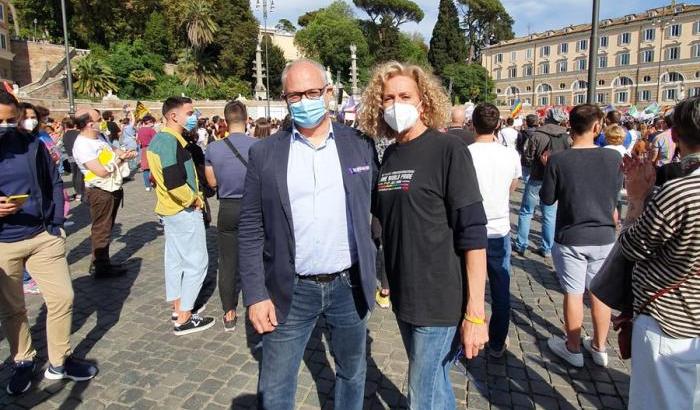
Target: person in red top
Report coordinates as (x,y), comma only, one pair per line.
(144,136)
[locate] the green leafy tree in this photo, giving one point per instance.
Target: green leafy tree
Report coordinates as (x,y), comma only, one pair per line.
(412,49)
(276,63)
(46,13)
(234,44)
(93,77)
(286,25)
(142,82)
(447,45)
(486,22)
(159,37)
(126,58)
(306,18)
(382,29)
(469,82)
(328,36)
(199,21)
(196,68)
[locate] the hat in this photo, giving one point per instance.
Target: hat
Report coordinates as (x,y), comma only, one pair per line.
(557,115)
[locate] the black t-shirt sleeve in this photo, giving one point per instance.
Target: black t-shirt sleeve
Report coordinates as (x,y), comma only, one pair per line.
(548,192)
(470,228)
(462,186)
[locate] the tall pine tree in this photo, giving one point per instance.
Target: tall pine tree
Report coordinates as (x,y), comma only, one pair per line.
(448,44)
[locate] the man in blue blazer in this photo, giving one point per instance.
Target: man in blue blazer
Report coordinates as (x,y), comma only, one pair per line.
(305,244)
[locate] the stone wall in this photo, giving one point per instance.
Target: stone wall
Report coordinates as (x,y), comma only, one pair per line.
(32,59)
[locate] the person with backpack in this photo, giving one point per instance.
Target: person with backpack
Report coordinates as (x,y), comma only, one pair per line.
(548,139)
(524,145)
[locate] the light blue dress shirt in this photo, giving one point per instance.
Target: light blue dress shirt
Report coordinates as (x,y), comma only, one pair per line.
(322,226)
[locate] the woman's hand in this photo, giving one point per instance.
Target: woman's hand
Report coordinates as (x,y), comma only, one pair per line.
(640,176)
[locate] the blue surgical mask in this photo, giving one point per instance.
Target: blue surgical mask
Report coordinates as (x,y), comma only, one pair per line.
(308,113)
(191,123)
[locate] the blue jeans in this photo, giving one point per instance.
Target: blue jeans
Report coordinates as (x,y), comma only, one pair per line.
(147,178)
(531,198)
(431,352)
(498,268)
(526,173)
(283,349)
(186,257)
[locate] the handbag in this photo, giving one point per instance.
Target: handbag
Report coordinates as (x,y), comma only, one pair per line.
(612,284)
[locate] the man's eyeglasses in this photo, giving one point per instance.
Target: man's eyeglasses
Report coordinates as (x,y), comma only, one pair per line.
(311,94)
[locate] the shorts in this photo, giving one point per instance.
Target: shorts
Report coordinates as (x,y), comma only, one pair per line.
(577,265)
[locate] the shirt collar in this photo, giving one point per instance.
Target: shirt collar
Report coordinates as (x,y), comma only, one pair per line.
(296,135)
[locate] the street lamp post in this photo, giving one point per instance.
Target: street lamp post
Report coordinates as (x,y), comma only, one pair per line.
(268,6)
(593,53)
(69,74)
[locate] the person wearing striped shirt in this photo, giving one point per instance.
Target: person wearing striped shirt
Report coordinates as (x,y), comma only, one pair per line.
(663,239)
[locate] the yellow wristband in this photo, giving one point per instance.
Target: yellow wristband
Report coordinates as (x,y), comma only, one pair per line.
(475,320)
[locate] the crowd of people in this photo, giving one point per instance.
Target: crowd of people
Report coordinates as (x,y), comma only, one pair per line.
(408,208)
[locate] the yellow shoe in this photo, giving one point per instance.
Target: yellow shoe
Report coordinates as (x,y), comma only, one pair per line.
(382,301)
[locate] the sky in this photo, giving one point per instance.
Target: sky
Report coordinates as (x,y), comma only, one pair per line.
(530,15)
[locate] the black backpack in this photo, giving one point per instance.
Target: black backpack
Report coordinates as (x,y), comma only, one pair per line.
(557,143)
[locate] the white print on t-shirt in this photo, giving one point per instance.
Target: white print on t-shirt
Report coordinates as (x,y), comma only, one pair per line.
(395,180)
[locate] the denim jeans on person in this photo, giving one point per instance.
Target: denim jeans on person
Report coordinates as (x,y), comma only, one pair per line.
(186,257)
(147,178)
(526,174)
(342,305)
(498,268)
(431,351)
(531,198)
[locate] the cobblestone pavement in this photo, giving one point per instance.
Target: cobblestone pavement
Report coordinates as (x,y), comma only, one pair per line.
(123,325)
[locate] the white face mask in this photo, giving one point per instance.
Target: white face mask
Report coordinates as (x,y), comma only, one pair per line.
(30,123)
(401,116)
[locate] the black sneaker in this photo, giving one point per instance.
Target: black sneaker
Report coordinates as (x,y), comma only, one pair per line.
(106,271)
(73,369)
(230,325)
(21,380)
(197,310)
(194,324)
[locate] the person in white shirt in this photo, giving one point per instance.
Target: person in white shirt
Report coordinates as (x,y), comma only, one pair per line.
(614,138)
(497,170)
(508,136)
(103,182)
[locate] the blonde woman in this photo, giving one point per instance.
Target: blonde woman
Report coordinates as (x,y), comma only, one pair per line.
(431,211)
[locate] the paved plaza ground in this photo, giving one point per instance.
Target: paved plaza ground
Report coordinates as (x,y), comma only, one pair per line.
(123,325)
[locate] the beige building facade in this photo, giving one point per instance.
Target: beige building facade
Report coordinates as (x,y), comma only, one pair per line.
(283,40)
(6,55)
(652,56)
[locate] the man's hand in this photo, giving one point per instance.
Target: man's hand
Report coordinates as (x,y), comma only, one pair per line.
(473,337)
(198,204)
(262,316)
(7,208)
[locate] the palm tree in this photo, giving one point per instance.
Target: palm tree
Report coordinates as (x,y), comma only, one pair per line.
(143,81)
(197,19)
(94,78)
(196,68)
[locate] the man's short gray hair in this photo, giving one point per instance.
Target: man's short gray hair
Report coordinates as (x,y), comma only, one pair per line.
(317,65)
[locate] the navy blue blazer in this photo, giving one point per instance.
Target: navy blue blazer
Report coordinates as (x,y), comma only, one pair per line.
(266,229)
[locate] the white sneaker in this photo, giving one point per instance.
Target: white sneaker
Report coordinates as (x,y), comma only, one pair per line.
(558,346)
(600,358)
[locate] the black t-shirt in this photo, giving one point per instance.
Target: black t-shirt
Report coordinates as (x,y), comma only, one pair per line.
(586,183)
(466,135)
(422,184)
(69,140)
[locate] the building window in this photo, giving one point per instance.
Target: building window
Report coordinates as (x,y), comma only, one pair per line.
(563,48)
(544,68)
(649,34)
(645,95)
(696,51)
(648,56)
(623,59)
(527,70)
(580,99)
(498,74)
(600,98)
(544,51)
(513,55)
(2,13)
(561,100)
(672,77)
(646,79)
(601,82)
(621,97)
(582,45)
(603,41)
(512,72)
(561,66)
(3,41)
(622,82)
(528,101)
(498,90)
(625,38)
(696,27)
(528,53)
(562,86)
(670,94)
(694,92)
(602,61)
(674,30)
(581,64)
(498,58)
(673,53)
(544,100)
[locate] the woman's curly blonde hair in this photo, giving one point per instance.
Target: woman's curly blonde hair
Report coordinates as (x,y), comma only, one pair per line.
(436,105)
